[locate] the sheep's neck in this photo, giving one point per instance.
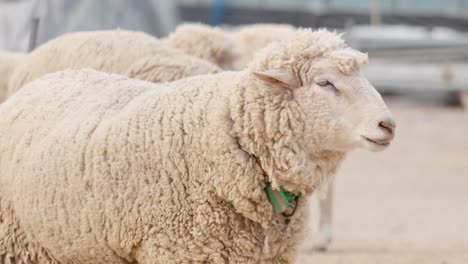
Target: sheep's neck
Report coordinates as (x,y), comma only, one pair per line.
(262,121)
(280,199)
(255,127)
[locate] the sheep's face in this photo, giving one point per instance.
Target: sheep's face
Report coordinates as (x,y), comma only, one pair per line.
(345,108)
(340,110)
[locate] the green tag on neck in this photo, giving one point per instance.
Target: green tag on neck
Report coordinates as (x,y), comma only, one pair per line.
(279,199)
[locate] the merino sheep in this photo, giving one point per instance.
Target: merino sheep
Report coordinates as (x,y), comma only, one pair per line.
(228,49)
(164,68)
(110,51)
(8,62)
(98,168)
(248,39)
(209,43)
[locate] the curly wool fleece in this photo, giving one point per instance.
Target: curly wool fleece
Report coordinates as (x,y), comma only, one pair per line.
(8,62)
(98,168)
(111,51)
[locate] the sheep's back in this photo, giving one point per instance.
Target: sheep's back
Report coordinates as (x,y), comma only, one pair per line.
(8,62)
(169,67)
(51,131)
(108,51)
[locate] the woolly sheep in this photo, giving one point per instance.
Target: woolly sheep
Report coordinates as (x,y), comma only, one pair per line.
(209,43)
(164,68)
(248,39)
(8,62)
(228,49)
(99,168)
(110,51)
(244,42)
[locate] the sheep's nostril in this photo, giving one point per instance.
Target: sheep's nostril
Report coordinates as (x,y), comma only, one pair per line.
(388,125)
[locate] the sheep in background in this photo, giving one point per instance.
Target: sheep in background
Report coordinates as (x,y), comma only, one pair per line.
(8,62)
(230,49)
(175,173)
(165,68)
(248,39)
(203,41)
(110,51)
(114,51)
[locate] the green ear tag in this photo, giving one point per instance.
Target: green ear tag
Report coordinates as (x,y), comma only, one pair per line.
(278,198)
(288,196)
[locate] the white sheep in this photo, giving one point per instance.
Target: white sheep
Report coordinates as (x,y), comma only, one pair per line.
(164,68)
(209,43)
(8,62)
(234,50)
(248,39)
(110,51)
(99,168)
(237,48)
(228,49)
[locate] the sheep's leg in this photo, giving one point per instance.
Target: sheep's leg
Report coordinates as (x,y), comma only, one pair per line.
(463,95)
(324,235)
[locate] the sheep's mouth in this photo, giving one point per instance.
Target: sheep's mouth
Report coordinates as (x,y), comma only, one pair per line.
(383,143)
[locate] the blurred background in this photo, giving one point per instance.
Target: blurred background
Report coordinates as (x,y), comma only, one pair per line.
(408,204)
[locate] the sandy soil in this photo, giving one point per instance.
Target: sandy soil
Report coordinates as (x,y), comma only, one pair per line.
(375,252)
(408,204)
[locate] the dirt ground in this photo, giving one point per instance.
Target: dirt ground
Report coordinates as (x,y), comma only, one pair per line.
(408,204)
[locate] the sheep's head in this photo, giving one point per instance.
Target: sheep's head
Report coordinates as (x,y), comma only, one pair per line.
(205,42)
(314,106)
(339,109)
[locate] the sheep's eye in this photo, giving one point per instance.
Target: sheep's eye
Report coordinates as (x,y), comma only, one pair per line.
(326,84)
(322,82)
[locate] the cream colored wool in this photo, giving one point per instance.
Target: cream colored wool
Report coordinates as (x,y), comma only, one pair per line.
(228,49)
(249,39)
(209,43)
(165,68)
(8,62)
(98,168)
(110,51)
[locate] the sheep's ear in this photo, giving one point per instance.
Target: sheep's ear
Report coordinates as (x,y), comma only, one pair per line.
(278,77)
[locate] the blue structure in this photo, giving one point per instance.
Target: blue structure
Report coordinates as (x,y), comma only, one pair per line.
(217,14)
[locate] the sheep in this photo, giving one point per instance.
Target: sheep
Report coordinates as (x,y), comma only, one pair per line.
(118,170)
(248,39)
(209,43)
(231,50)
(111,51)
(8,62)
(193,38)
(164,68)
